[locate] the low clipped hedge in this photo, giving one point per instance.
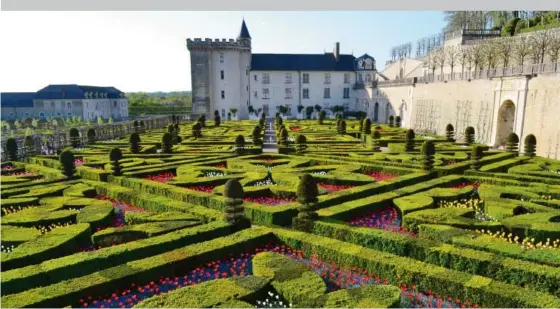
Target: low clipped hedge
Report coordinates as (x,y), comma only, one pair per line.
(140,270)
(142,217)
(47,172)
(481,290)
(504,165)
(370,296)
(14,236)
(80,264)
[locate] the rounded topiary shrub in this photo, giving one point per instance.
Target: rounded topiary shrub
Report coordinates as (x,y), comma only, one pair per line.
(476,156)
(450,132)
(67,163)
(12,149)
(375,137)
(530,145)
(74,137)
(367,126)
(239,144)
(234,212)
(398,121)
(512,143)
(428,151)
(409,140)
(391,121)
(134,141)
(301,143)
(257,135)
(469,135)
(166,143)
(307,193)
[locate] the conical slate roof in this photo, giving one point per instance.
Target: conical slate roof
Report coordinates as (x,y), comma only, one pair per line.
(244,33)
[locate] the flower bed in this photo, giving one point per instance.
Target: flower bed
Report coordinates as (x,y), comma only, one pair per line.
(205,189)
(26,173)
(213,174)
(335,276)
(381,176)
(221,165)
(164,177)
(386,218)
(270,200)
(334,188)
(78,162)
(295,128)
(465,184)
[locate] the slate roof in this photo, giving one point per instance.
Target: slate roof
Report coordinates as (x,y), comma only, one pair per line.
(244,33)
(72,92)
(302,62)
(17,99)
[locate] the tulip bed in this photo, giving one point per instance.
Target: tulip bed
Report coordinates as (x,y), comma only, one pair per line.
(388,234)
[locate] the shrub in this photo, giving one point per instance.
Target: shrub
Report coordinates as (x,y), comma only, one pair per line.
(91,135)
(239,144)
(197,130)
(284,137)
(202,121)
(391,121)
(509,28)
(217,120)
(409,140)
(301,143)
(309,111)
(476,157)
(262,121)
(530,145)
(234,210)
(398,122)
(166,143)
(450,132)
(115,156)
(12,149)
(428,150)
(67,163)
(367,127)
(134,141)
(257,135)
(375,137)
(469,135)
(361,125)
(307,193)
(321,117)
(74,138)
(512,143)
(343,127)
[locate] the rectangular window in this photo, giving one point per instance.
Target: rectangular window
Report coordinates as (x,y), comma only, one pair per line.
(256,94)
(288,94)
(306,78)
(266,94)
(289,107)
(266,78)
(327,93)
(221,57)
(305,93)
(223,94)
(360,78)
(222,74)
(288,78)
(347,78)
(346,93)
(255,77)
(223,113)
(327,78)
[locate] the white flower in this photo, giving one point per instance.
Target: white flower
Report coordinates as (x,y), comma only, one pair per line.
(278,297)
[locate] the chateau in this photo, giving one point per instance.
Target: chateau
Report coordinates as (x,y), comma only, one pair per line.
(225,74)
(88,102)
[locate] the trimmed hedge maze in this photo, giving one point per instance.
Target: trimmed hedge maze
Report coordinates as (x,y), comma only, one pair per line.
(389,223)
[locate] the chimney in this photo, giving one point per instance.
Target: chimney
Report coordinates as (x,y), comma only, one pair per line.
(336,51)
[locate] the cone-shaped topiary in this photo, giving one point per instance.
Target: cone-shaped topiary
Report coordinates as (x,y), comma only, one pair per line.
(428,150)
(239,144)
(28,145)
(301,143)
(391,121)
(136,126)
(338,122)
(12,149)
(307,193)
(217,120)
(367,127)
(530,145)
(375,137)
(321,117)
(398,121)
(409,140)
(450,132)
(343,127)
(134,141)
(361,125)
(202,121)
(469,135)
(67,163)
(284,137)
(91,135)
(197,130)
(262,122)
(234,210)
(74,137)
(257,135)
(176,131)
(115,156)
(166,143)
(512,143)
(476,156)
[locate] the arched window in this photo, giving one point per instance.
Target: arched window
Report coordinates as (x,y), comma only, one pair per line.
(376,112)
(368,77)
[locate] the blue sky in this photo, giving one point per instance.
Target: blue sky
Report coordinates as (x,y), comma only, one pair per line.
(145,51)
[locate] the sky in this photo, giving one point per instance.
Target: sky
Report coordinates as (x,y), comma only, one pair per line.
(146,51)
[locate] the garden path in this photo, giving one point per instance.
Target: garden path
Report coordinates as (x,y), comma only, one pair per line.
(270,145)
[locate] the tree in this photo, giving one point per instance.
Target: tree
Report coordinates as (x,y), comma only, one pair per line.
(257,135)
(367,127)
(554,48)
(409,140)
(307,193)
(115,156)
(234,210)
(301,143)
(469,135)
(283,110)
(74,138)
(512,143)
(343,127)
(167,143)
(91,135)
(250,109)
(522,49)
(440,58)
(318,108)
(450,133)
(233,111)
(321,117)
(504,51)
(530,145)
(300,108)
(171,130)
(309,111)
(398,121)
(391,121)
(134,141)
(462,57)
(491,54)
(428,151)
(12,149)
(476,156)
(375,137)
(540,42)
(67,163)
(452,54)
(239,145)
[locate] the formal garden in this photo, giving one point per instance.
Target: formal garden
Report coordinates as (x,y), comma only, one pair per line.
(341,213)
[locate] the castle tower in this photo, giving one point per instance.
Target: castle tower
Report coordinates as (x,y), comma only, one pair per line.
(220,74)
